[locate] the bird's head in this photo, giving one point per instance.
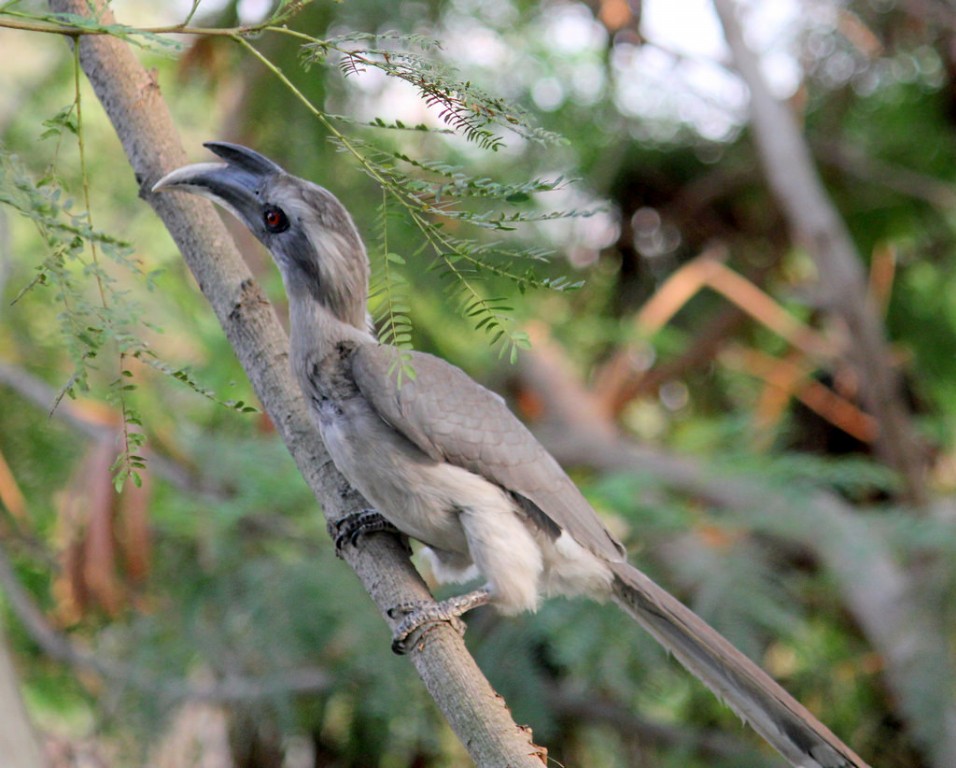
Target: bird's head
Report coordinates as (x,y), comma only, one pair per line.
(306,229)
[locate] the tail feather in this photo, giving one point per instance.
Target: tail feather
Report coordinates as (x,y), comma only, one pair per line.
(749,691)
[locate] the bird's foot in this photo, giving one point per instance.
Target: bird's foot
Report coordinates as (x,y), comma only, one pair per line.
(349,529)
(422,617)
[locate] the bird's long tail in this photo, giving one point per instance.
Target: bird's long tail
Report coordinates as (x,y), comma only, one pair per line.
(786,725)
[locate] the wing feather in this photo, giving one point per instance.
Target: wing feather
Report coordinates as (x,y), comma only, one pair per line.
(452,418)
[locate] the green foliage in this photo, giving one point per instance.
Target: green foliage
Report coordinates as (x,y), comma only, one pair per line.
(462,106)
(389,289)
(97,317)
(462,262)
(430,202)
(89,322)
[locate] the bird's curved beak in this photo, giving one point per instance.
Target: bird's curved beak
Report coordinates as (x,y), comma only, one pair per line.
(235,184)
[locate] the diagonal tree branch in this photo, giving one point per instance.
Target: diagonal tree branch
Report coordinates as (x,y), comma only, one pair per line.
(842,287)
(132,100)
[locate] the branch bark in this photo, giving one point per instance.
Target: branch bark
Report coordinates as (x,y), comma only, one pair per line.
(131,98)
(815,223)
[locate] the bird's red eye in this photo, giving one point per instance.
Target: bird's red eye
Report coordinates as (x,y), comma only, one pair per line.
(275,220)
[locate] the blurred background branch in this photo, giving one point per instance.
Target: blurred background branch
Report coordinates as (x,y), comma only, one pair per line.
(817,226)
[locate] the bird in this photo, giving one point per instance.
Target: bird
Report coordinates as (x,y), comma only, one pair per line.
(444,461)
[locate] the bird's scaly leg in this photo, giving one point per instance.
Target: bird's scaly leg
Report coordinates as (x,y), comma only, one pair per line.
(422,616)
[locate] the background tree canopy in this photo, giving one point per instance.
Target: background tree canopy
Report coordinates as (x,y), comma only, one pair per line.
(571,201)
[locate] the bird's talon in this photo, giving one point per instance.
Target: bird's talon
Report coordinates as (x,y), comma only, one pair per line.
(411,632)
(400,646)
(349,529)
(420,618)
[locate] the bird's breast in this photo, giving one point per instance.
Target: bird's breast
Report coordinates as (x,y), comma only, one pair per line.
(422,497)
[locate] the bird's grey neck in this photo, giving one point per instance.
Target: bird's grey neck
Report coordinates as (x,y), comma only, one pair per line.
(314,322)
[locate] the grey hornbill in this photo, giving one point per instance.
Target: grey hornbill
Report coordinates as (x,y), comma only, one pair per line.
(445,462)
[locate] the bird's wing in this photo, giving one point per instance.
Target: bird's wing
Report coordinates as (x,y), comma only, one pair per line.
(452,418)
